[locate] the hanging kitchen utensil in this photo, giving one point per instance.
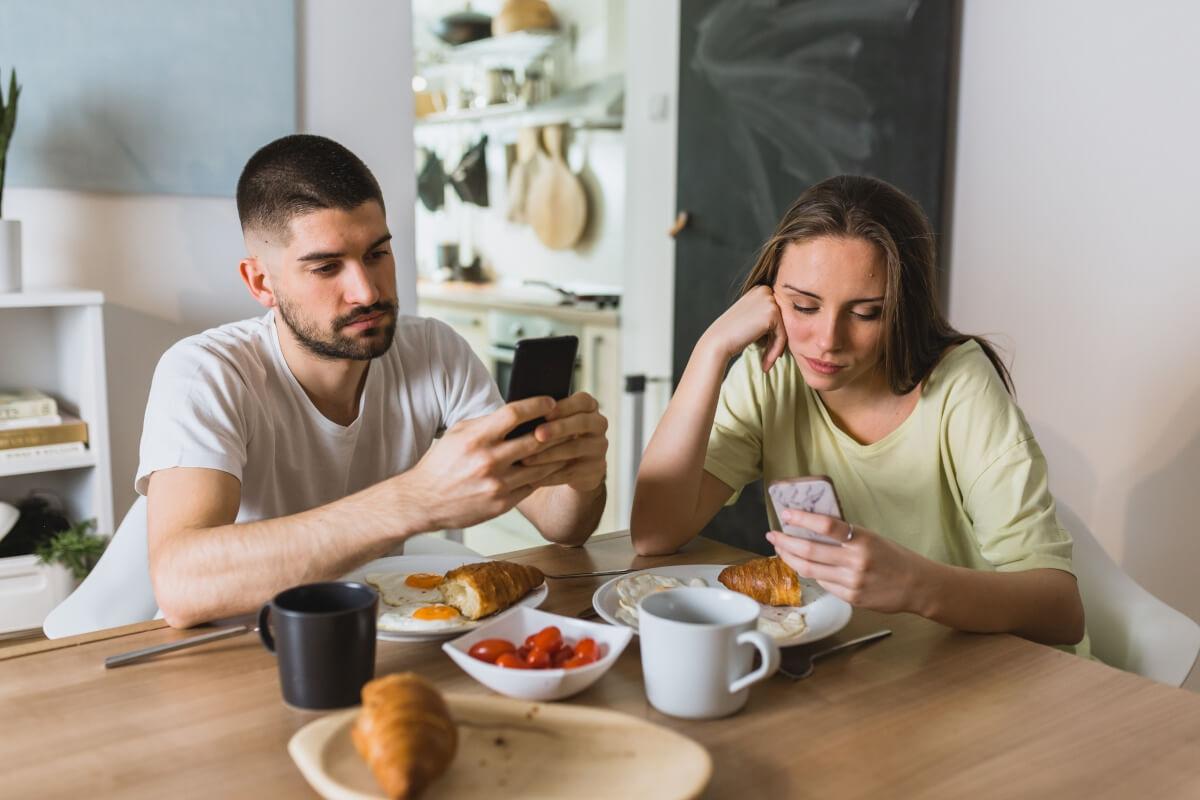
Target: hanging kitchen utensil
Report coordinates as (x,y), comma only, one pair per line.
(431,182)
(530,159)
(557,206)
(470,178)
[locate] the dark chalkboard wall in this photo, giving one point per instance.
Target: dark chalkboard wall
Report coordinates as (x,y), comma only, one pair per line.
(775,96)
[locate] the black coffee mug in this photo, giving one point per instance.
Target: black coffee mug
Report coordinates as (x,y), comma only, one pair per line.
(324,637)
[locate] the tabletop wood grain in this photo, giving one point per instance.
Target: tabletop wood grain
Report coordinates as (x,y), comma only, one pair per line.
(926,713)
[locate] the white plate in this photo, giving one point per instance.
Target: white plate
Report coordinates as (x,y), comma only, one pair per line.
(440,565)
(824,613)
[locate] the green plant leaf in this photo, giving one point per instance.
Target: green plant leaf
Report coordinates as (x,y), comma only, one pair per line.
(77,548)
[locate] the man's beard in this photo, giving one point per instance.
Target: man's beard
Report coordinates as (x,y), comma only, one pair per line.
(334,345)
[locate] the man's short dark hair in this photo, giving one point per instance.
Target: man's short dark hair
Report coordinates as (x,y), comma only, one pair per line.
(300,174)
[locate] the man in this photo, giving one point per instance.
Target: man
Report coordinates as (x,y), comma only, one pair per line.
(299,445)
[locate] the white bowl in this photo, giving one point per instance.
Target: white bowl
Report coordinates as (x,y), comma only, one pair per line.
(538,684)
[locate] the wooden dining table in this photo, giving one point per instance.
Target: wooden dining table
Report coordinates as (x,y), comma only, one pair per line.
(927,712)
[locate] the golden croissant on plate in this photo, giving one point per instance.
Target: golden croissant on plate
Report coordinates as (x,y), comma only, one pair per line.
(768,580)
(404,733)
(477,590)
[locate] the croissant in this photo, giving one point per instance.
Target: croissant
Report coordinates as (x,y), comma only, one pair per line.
(404,733)
(477,590)
(768,580)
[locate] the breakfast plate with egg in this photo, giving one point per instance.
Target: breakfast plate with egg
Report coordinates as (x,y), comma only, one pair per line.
(820,614)
(412,607)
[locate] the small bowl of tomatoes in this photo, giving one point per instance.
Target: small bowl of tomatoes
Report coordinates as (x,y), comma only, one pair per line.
(534,655)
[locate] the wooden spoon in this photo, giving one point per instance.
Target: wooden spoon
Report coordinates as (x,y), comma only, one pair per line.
(557,203)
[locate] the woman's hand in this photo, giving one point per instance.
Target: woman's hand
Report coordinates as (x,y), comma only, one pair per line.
(867,570)
(751,318)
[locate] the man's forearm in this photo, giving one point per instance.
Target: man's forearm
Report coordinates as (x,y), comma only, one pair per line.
(202,574)
(564,515)
(1041,605)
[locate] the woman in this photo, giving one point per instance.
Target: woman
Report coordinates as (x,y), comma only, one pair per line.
(850,370)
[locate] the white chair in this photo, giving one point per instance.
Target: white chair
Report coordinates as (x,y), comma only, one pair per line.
(119,592)
(1130,628)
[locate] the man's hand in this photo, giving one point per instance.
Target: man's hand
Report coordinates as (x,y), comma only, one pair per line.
(573,444)
(472,474)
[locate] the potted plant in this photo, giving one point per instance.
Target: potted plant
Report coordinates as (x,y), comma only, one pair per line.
(10,229)
(77,549)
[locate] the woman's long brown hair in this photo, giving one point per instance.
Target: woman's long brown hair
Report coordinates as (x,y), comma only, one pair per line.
(916,332)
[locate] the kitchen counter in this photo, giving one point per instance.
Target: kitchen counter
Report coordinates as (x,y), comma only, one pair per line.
(515,298)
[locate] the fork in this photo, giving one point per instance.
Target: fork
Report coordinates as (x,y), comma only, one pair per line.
(804,667)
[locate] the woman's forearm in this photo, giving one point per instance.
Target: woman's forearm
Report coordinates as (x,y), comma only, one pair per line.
(1042,605)
(667,494)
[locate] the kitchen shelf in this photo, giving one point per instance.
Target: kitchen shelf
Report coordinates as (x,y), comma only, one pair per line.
(32,466)
(597,106)
(513,50)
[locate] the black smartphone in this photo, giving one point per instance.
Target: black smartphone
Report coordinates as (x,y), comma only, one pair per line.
(541,367)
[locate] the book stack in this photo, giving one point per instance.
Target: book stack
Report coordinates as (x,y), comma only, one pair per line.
(32,426)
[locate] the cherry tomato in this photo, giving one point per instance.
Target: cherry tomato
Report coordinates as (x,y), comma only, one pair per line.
(491,649)
(511,661)
(548,639)
(576,661)
(563,655)
(538,659)
(588,649)
(523,651)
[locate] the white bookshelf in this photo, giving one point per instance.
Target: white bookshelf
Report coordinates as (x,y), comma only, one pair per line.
(53,340)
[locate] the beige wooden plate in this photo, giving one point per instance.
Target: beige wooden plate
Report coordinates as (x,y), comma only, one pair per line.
(515,748)
(556,205)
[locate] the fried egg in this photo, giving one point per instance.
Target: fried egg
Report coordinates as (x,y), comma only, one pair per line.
(631,589)
(421,618)
(781,622)
(399,588)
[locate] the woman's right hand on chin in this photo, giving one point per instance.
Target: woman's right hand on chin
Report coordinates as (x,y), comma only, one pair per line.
(753,316)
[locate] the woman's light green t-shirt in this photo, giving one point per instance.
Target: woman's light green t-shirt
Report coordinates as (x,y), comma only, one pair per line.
(961,481)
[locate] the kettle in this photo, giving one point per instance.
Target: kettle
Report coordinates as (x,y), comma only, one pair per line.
(462,27)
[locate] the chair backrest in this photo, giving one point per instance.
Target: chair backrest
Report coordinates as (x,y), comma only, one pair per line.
(1130,628)
(118,591)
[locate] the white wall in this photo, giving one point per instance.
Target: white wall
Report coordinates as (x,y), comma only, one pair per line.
(168,264)
(1074,236)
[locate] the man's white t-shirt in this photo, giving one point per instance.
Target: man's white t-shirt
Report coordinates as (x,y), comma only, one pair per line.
(226,399)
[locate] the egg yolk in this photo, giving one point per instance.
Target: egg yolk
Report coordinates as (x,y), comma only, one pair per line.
(435,612)
(423,580)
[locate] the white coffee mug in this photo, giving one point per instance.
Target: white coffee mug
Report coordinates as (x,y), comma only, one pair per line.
(697,645)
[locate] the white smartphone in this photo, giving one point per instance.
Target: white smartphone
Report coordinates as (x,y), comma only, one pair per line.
(814,493)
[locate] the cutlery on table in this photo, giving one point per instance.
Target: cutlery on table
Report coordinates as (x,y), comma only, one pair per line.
(121,659)
(801,667)
(596,574)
